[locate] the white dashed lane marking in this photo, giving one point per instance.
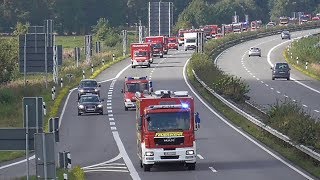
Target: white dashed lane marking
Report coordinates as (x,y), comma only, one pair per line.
(200,157)
(109,101)
(109,111)
(267,85)
(111,119)
(112,123)
(113,128)
(316,111)
(109,104)
(111,115)
(271,88)
(278,92)
(213,170)
(304,105)
(110,92)
(262,82)
(109,107)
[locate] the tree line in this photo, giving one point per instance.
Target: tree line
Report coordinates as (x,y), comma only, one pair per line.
(78,16)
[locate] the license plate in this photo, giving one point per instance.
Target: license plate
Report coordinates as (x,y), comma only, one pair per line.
(169,153)
(89,93)
(281,72)
(90,109)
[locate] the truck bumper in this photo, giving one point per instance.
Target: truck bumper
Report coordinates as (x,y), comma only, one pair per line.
(140,63)
(130,104)
(179,155)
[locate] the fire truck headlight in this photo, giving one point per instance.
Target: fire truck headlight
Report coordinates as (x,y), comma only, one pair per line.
(150,153)
(81,106)
(184,105)
(128,100)
(189,152)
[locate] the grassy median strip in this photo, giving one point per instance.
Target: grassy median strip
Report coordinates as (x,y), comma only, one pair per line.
(281,147)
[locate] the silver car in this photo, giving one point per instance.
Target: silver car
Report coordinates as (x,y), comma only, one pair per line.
(254,51)
(285,35)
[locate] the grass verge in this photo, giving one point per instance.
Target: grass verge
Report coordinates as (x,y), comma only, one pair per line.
(287,151)
(75,174)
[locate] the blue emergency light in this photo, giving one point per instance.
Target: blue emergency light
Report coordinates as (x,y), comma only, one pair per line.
(184,105)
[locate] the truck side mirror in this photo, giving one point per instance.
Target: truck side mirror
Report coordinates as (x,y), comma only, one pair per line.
(99,85)
(140,123)
(121,90)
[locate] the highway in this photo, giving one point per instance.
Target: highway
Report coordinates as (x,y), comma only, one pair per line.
(105,145)
(256,71)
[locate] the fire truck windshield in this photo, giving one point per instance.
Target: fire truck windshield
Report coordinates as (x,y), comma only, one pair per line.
(171,40)
(157,46)
(169,121)
(136,87)
(191,40)
(140,54)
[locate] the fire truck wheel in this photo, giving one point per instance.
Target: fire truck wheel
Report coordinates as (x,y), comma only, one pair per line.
(125,108)
(165,52)
(161,56)
(148,65)
(146,167)
(177,49)
(141,165)
(191,166)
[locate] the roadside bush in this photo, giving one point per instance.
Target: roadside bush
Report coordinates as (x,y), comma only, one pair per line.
(291,119)
(77,173)
(224,84)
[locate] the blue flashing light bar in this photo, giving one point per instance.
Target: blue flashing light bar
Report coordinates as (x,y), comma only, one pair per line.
(184,105)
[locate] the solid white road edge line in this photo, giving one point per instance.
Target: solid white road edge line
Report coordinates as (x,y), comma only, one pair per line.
(106,170)
(15,163)
(133,172)
(236,129)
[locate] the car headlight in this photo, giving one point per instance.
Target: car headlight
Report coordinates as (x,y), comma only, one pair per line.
(190,152)
(81,90)
(96,90)
(128,100)
(81,106)
(100,105)
(150,153)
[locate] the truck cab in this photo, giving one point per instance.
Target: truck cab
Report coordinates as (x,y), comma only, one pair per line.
(173,43)
(158,44)
(165,124)
(133,85)
(141,54)
(190,40)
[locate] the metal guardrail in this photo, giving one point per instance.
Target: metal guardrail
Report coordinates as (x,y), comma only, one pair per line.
(272,131)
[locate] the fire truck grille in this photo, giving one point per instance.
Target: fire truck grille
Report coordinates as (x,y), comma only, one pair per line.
(169,157)
(169,141)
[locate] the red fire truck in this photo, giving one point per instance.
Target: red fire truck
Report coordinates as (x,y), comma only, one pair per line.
(173,43)
(133,85)
(181,36)
(166,129)
(141,54)
(211,31)
(159,45)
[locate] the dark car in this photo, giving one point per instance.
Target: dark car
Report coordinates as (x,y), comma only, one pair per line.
(285,35)
(90,104)
(88,86)
(281,70)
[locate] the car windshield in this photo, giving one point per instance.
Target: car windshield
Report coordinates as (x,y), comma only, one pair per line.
(190,40)
(137,87)
(85,99)
(282,66)
(285,32)
(157,46)
(88,84)
(254,49)
(169,121)
(140,54)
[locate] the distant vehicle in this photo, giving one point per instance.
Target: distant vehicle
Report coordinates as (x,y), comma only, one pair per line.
(141,54)
(190,40)
(283,21)
(281,70)
(270,24)
(90,104)
(133,85)
(255,51)
(88,86)
(285,35)
(173,43)
(159,44)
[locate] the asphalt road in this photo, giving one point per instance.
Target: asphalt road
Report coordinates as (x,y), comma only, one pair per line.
(105,145)
(264,91)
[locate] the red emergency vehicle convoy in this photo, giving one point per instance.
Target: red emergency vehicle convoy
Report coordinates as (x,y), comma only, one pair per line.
(166,129)
(133,85)
(141,54)
(159,45)
(173,43)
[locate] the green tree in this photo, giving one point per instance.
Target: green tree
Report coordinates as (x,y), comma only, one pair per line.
(8,59)
(104,32)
